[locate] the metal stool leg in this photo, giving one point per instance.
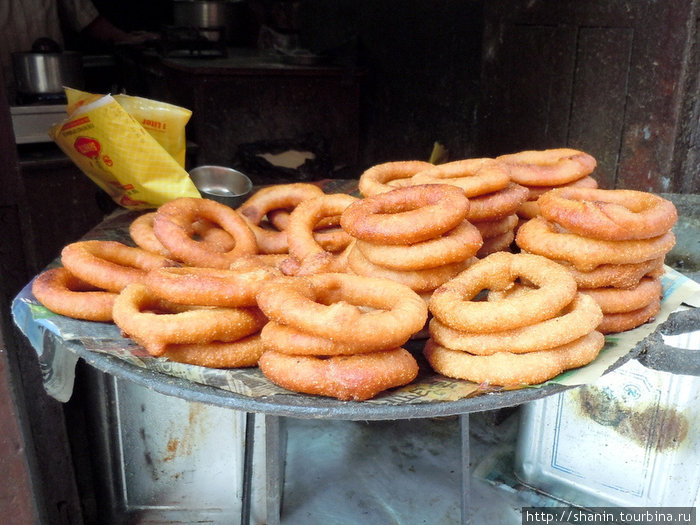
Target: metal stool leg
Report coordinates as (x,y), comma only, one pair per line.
(466,470)
(275,453)
(248,449)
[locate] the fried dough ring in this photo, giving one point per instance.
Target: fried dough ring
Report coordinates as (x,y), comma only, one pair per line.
(277,196)
(173,226)
(584,182)
(65,294)
(495,227)
(475,176)
(237,354)
(497,204)
(620,300)
(512,370)
(259,260)
(406,215)
(321,262)
(209,286)
(550,167)
(453,304)
(279,218)
(500,243)
(456,245)
(328,305)
(614,323)
(617,275)
(528,210)
(579,318)
(377,179)
(348,377)
(109,265)
(543,237)
(289,340)
(420,280)
(285,196)
(300,231)
(141,232)
(155,323)
(613,215)
(327,232)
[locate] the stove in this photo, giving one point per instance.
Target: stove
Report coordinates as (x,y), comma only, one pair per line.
(193,42)
(31,122)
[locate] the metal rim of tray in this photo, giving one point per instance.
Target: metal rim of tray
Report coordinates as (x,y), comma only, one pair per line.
(313,407)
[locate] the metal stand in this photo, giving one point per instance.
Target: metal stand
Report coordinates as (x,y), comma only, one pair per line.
(275,452)
(466,469)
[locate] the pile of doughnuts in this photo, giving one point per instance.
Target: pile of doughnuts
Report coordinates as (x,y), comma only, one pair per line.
(322,290)
(416,235)
(339,335)
(613,241)
(494,197)
(533,325)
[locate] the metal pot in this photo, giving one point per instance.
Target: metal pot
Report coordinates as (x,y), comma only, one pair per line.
(219,16)
(40,72)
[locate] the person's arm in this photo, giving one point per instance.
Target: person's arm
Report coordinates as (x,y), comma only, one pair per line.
(103,30)
(85,18)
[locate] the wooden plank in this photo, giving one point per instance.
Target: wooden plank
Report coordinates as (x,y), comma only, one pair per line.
(527,90)
(654,98)
(635,76)
(599,94)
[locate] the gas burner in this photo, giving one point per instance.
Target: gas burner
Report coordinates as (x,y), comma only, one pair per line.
(40,99)
(193,42)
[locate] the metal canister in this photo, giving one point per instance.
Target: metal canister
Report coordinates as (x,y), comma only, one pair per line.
(42,73)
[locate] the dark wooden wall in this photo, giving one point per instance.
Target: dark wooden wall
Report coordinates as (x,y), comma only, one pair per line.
(16,458)
(616,79)
(422,61)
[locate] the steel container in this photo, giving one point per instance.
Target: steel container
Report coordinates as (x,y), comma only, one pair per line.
(161,459)
(219,17)
(38,73)
(632,439)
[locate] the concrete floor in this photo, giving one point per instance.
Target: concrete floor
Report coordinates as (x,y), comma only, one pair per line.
(390,472)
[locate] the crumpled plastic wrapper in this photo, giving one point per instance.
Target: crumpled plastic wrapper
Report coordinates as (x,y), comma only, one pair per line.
(119,154)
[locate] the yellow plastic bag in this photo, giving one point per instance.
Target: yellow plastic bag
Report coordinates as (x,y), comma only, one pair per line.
(120,156)
(165,122)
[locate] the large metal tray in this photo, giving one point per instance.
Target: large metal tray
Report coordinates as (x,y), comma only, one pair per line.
(53,346)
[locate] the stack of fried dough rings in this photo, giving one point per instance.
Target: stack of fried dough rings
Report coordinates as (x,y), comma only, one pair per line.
(533,325)
(613,241)
(494,197)
(339,335)
(416,235)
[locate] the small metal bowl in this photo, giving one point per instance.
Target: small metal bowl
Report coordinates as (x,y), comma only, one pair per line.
(221,184)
